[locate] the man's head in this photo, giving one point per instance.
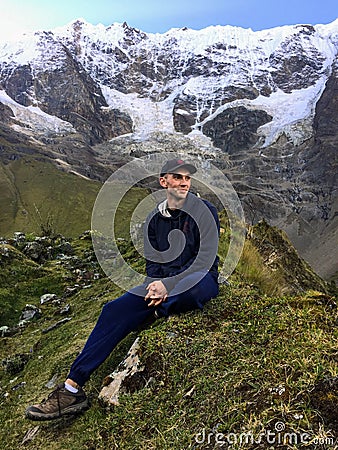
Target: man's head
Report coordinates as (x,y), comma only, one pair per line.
(175,176)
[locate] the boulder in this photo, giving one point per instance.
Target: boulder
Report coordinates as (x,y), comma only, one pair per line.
(128,370)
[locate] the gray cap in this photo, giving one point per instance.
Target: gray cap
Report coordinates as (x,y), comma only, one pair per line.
(172,165)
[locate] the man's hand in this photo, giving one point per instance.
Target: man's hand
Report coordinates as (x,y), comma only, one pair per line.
(157,293)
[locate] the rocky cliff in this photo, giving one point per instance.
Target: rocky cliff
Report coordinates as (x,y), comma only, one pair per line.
(261,105)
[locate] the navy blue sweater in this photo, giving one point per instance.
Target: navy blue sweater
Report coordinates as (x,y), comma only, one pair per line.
(171,254)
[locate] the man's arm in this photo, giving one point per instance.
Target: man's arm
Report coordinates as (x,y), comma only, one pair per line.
(157,292)
(153,268)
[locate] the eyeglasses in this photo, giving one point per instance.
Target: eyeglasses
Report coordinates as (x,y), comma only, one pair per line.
(178,176)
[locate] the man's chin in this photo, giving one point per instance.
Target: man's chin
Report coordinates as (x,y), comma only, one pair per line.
(179,194)
(183,193)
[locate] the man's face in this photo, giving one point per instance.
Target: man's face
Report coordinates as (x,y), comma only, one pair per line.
(178,184)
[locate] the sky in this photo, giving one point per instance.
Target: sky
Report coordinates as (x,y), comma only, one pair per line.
(158,16)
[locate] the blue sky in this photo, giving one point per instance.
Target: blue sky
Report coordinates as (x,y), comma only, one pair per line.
(158,16)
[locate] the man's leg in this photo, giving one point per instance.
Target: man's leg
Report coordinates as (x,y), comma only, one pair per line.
(117,319)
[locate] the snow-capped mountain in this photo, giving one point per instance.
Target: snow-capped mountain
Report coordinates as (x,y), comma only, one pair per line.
(178,81)
(262,104)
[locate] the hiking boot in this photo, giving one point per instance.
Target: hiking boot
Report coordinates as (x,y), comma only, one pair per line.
(59,403)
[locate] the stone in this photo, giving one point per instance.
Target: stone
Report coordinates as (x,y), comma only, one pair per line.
(128,369)
(65,310)
(56,325)
(30,435)
(4,331)
(37,251)
(52,382)
(30,312)
(46,298)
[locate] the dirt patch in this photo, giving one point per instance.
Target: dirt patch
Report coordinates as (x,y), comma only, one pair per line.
(324,398)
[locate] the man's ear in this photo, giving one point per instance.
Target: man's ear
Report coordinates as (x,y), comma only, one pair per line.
(163,182)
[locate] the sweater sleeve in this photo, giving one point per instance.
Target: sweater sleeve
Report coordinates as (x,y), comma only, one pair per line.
(153,268)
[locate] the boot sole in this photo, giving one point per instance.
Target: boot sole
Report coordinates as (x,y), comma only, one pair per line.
(74,409)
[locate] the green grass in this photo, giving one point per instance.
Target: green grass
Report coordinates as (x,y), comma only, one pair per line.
(250,360)
(245,363)
(22,282)
(37,196)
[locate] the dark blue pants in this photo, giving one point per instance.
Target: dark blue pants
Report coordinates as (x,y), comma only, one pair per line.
(125,314)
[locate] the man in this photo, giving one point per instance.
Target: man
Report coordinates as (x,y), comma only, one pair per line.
(180,246)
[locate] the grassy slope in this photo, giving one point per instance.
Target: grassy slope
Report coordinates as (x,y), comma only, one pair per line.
(22,281)
(34,193)
(248,361)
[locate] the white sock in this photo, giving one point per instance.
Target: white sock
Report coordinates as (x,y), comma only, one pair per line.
(70,388)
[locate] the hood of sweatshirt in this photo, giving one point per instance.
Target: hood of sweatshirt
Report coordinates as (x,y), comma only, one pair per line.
(188,206)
